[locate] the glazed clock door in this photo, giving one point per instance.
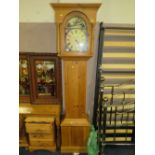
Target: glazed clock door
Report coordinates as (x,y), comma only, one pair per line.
(76,35)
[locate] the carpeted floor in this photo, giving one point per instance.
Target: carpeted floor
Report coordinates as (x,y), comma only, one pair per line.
(120,150)
(110,150)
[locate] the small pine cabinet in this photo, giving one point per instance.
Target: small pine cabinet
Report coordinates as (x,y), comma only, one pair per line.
(41,132)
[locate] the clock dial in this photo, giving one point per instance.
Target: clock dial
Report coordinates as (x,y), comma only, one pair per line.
(76,35)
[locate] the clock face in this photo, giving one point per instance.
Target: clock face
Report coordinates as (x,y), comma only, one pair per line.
(76,35)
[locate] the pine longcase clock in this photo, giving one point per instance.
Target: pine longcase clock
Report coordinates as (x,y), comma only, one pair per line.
(75,45)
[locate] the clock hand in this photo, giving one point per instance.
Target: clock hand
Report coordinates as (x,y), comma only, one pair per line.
(77,41)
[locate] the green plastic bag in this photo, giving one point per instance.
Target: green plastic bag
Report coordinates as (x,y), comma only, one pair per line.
(92,146)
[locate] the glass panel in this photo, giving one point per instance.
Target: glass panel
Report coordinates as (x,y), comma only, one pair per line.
(45,78)
(23,77)
(76,35)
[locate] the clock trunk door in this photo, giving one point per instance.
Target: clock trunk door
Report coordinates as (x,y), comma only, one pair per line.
(75,87)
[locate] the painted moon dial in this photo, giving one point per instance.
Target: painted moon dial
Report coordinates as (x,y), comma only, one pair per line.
(76,37)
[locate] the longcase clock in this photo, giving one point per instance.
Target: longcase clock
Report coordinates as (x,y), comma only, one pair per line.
(75,45)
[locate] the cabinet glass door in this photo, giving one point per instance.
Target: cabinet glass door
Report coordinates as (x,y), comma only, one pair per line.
(24,80)
(24,86)
(45,77)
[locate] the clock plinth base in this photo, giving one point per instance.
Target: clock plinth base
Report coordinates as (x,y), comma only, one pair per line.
(74,134)
(72,149)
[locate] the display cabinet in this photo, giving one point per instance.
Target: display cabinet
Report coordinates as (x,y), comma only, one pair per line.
(39,78)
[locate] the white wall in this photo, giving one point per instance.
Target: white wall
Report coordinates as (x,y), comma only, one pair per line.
(111,11)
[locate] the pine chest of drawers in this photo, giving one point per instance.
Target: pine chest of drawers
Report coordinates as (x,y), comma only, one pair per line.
(41,132)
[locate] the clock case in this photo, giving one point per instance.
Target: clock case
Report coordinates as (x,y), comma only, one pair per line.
(75,125)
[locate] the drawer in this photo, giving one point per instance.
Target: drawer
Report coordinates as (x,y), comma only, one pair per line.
(45,136)
(49,148)
(41,142)
(39,128)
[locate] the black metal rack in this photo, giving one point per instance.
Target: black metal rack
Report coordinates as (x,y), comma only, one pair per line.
(98,73)
(114,123)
